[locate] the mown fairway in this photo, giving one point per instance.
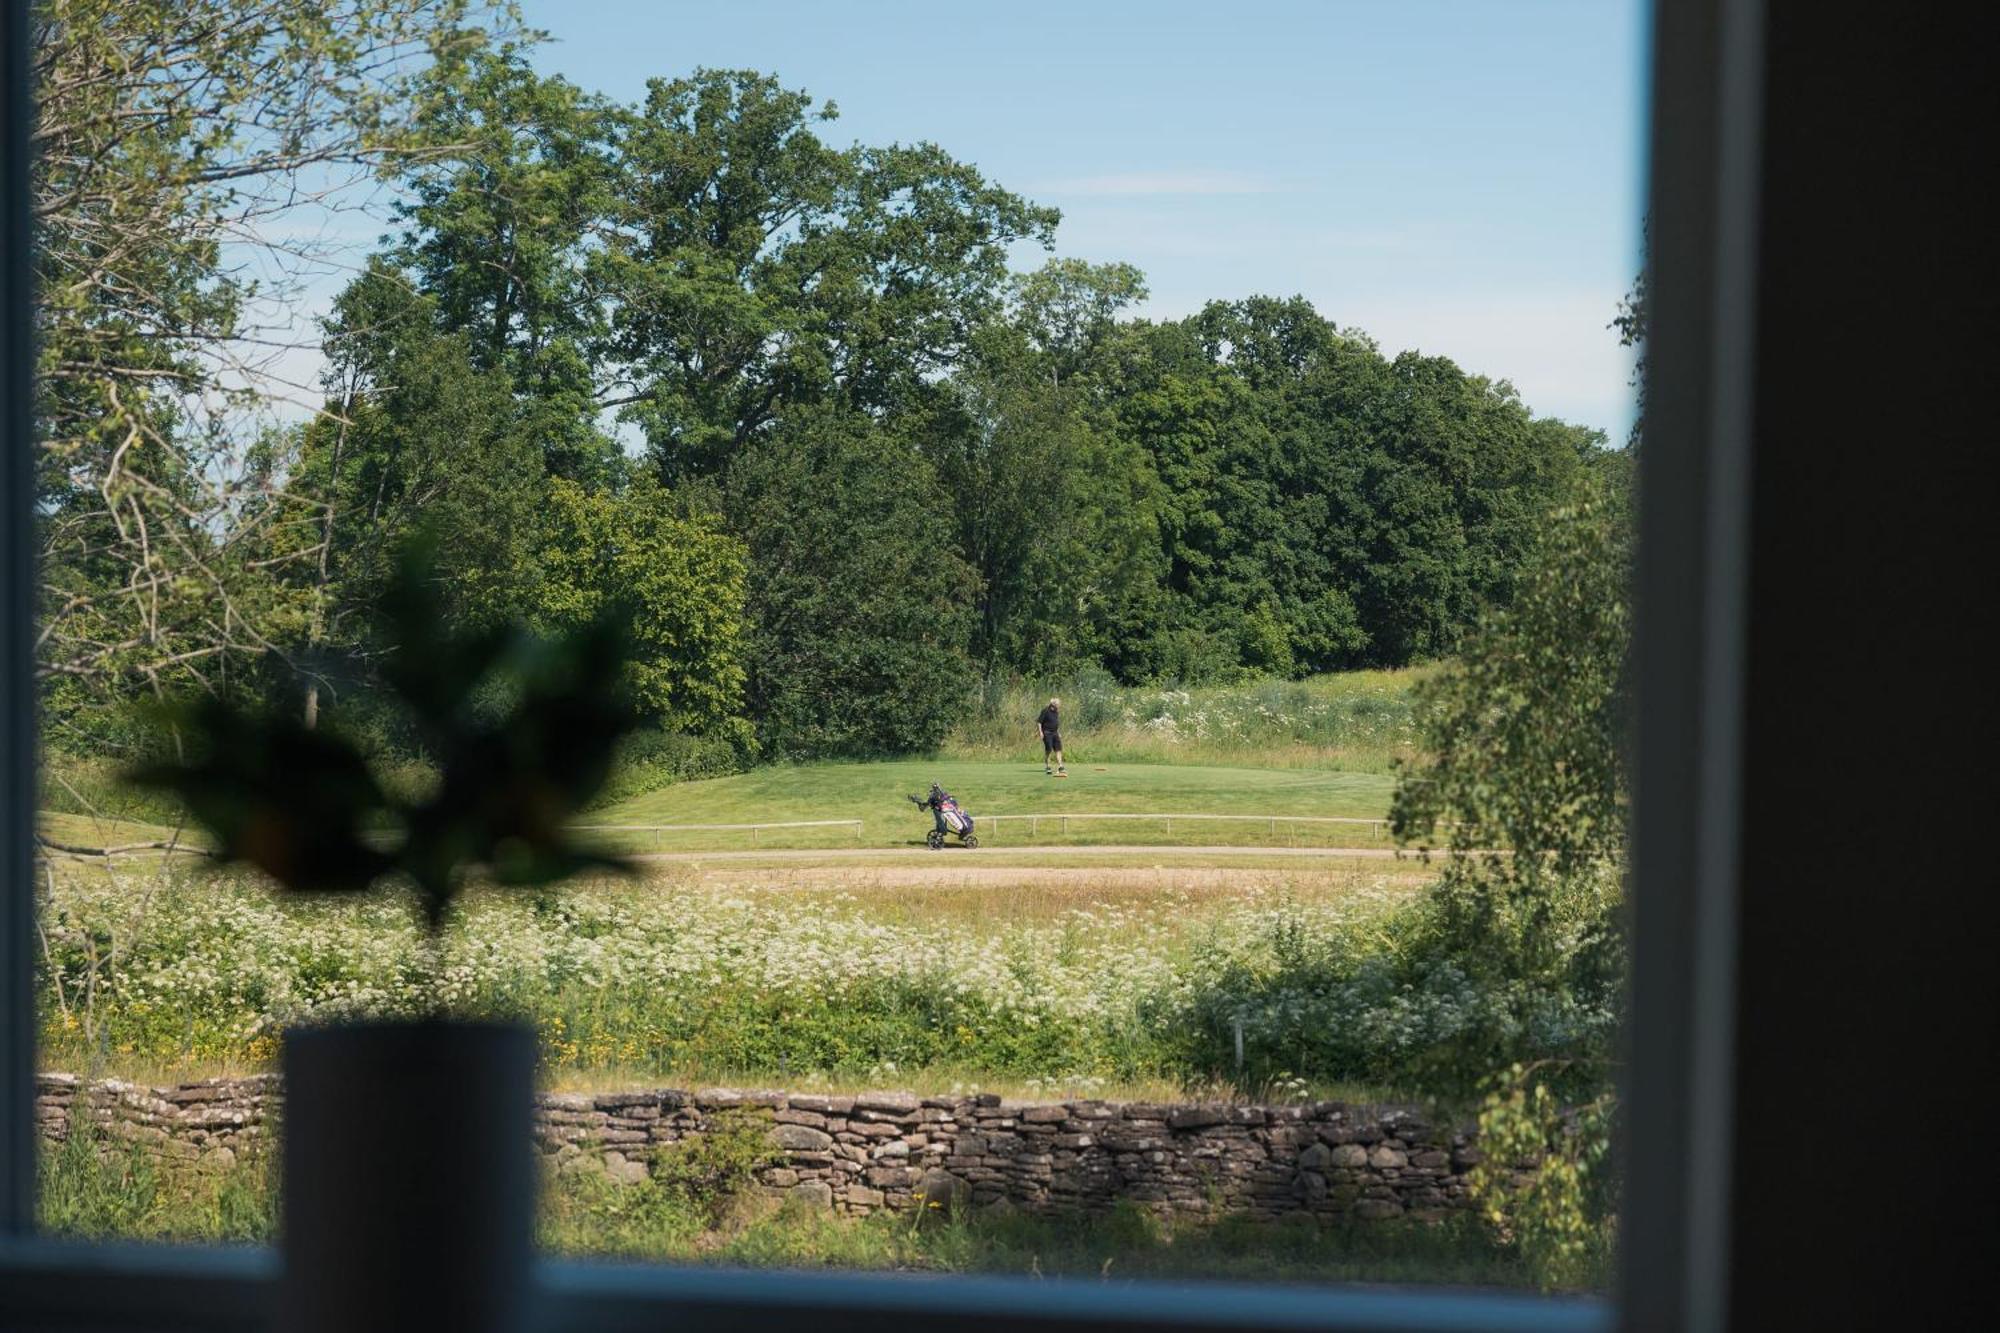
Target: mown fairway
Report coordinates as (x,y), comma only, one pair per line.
(873,793)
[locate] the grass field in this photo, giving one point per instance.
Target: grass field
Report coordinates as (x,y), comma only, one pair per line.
(873,793)
(836,960)
(1319,747)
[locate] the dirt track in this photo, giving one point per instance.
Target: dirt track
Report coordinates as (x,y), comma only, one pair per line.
(966,876)
(995,867)
(951,854)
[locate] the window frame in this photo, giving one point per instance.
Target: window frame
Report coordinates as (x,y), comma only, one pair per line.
(1689,655)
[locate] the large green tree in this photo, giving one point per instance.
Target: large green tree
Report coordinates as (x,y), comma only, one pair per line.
(178,148)
(415,440)
(1326,507)
(749,266)
(495,235)
(675,578)
(859,605)
(1056,506)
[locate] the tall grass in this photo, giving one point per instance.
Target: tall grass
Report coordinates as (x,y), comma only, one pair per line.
(699,984)
(700,1206)
(1357,720)
(91,1189)
(588,1216)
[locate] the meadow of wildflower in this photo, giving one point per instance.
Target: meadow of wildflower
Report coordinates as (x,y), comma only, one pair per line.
(160,969)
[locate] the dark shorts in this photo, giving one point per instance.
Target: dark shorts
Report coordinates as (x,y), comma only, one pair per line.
(1051,741)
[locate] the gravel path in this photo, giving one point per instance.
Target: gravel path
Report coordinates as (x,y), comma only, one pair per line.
(950,854)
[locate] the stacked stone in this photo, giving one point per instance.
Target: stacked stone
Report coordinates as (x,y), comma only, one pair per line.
(210,1124)
(896,1151)
(893,1150)
(617,1131)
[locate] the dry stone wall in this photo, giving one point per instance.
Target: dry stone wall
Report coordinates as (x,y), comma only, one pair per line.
(894,1150)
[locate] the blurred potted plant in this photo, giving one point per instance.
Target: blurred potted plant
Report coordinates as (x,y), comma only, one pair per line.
(408,1177)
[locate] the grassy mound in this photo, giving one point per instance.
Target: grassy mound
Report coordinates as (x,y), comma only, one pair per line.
(1360,721)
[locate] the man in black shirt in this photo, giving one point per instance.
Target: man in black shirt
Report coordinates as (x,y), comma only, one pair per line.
(1050,723)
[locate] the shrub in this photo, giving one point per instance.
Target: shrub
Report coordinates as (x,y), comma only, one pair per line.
(650,759)
(1544,1185)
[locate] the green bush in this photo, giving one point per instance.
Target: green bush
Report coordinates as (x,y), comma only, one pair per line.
(713,1169)
(651,759)
(859,606)
(1544,1184)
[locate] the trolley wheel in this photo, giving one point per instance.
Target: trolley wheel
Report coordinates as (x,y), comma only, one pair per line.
(972,840)
(934,840)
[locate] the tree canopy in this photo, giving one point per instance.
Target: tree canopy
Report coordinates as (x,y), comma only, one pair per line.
(781,399)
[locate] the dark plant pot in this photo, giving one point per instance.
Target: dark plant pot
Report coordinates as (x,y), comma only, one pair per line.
(409,1182)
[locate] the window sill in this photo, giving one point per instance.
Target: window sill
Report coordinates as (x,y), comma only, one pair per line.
(47,1284)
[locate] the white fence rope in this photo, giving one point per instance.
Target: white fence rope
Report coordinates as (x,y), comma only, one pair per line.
(755,830)
(1375,826)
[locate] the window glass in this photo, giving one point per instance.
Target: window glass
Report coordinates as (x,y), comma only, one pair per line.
(1001,637)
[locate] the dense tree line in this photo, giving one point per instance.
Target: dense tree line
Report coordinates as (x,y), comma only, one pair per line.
(785,404)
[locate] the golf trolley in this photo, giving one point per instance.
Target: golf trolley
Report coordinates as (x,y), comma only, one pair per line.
(949,819)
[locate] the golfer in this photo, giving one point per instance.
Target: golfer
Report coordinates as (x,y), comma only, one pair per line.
(1049,721)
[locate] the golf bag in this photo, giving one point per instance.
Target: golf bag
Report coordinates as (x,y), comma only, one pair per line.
(949,819)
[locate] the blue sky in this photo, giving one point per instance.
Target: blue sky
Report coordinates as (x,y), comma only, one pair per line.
(1460,177)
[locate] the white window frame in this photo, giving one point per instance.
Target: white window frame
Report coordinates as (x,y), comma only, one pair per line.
(1706,98)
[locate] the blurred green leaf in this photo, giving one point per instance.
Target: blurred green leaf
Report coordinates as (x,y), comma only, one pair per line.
(302,806)
(292,802)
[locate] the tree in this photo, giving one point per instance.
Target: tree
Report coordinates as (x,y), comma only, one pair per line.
(1630,322)
(173,144)
(1325,507)
(1068,307)
(1055,505)
(1056,520)
(749,267)
(858,604)
(1524,785)
(495,235)
(677,581)
(415,439)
